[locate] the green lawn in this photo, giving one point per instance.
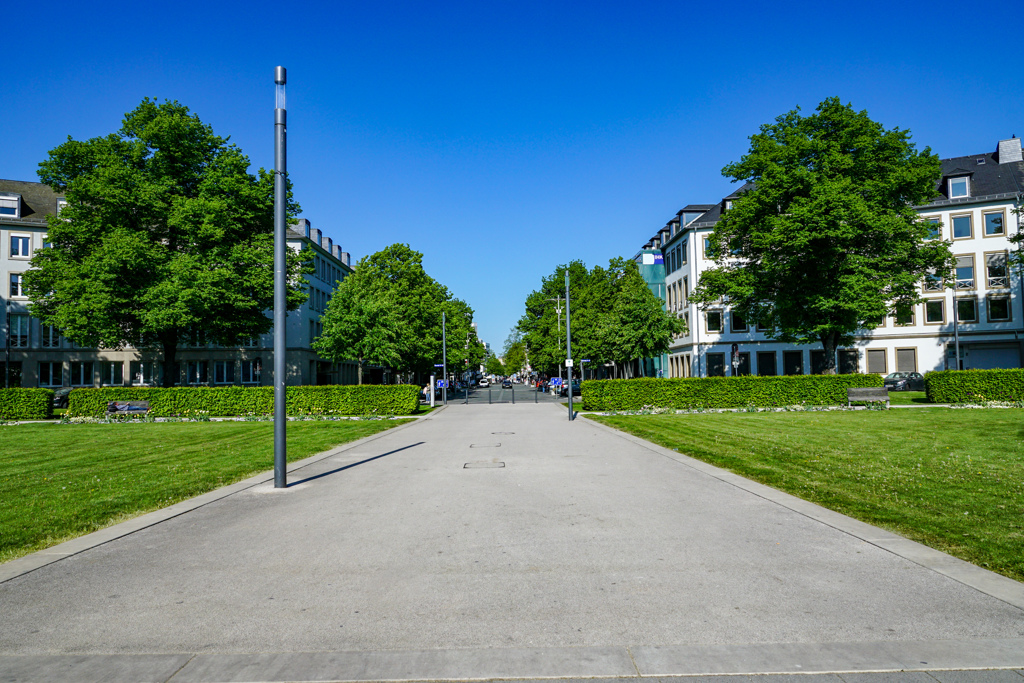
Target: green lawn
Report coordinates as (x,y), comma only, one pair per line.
(951,479)
(903,398)
(62,481)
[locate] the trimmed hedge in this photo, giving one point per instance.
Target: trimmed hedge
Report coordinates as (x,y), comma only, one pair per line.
(974,386)
(26,404)
(368,399)
(721,392)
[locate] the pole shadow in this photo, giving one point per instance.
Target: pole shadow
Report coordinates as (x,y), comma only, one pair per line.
(354,464)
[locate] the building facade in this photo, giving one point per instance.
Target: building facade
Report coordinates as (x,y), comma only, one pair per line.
(39,356)
(980,313)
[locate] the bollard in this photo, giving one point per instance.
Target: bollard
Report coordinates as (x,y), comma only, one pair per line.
(536,390)
(489,394)
(513,394)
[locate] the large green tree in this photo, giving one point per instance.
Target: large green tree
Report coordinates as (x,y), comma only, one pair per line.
(825,241)
(165,236)
(389,312)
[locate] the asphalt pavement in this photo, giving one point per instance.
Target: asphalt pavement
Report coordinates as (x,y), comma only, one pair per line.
(501,541)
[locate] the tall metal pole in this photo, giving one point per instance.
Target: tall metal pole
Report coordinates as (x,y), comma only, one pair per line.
(568,343)
(280,266)
(956,332)
(444,359)
(7,349)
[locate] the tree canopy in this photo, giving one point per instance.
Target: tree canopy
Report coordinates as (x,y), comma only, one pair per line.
(616,318)
(825,241)
(165,236)
(389,311)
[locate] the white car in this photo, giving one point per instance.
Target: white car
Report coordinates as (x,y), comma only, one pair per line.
(484,382)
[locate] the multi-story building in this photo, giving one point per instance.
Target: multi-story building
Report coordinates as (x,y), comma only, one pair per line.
(981,313)
(41,357)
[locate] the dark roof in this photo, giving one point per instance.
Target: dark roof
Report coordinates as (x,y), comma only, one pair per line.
(989,180)
(37,201)
(690,208)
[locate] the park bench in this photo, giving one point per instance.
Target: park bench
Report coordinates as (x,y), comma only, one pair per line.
(127,407)
(867,394)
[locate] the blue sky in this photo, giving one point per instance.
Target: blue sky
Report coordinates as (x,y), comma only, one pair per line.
(503,138)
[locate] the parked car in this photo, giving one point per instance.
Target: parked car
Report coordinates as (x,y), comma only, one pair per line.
(484,382)
(564,389)
(60,397)
(904,381)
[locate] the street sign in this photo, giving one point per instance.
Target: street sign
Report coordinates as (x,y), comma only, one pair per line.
(438,365)
(442,384)
(568,362)
(556,381)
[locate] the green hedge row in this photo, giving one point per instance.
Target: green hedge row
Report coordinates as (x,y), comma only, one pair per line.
(26,404)
(721,392)
(368,399)
(974,386)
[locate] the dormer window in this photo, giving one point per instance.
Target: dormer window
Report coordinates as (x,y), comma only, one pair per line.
(728,204)
(10,205)
(959,187)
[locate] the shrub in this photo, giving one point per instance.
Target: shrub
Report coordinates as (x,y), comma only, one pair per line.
(402,399)
(974,386)
(721,392)
(26,404)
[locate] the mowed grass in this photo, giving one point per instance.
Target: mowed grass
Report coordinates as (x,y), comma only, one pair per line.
(61,481)
(951,479)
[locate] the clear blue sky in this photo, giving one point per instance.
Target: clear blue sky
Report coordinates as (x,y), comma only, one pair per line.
(503,138)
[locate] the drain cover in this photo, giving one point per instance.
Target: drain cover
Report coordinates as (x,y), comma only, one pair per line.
(502,432)
(484,445)
(471,465)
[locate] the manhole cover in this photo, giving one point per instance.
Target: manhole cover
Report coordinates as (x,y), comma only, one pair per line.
(484,445)
(471,465)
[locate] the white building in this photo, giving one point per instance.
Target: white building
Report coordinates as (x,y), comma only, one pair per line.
(975,209)
(41,357)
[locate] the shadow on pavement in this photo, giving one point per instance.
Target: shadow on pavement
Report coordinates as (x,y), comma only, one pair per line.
(361,462)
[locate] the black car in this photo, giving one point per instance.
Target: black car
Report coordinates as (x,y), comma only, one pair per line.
(60,397)
(564,389)
(506,384)
(904,381)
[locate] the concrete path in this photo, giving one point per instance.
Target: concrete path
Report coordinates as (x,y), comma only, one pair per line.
(503,542)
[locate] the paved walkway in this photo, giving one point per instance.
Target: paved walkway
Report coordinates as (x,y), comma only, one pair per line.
(503,542)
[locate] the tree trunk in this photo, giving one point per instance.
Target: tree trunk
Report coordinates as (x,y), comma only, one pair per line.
(169,341)
(359,372)
(829,342)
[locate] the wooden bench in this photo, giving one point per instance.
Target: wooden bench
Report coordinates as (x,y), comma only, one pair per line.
(127,407)
(867,394)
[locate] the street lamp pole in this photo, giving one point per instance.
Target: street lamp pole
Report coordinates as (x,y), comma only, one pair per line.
(444,356)
(280,267)
(568,343)
(558,307)
(7,349)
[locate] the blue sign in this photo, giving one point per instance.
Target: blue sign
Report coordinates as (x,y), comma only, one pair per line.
(556,381)
(438,365)
(442,384)
(659,258)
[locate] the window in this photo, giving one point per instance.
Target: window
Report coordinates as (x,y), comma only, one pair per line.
(251,371)
(766,363)
(196,372)
(716,365)
(19,246)
(993,223)
(906,360)
(50,374)
(995,270)
(708,251)
(962,227)
(934,228)
(16,285)
(967,310)
(876,362)
(958,187)
(737,323)
(932,283)
(19,331)
(144,372)
(713,321)
(51,337)
(111,374)
(965,272)
(10,205)
(682,253)
(224,372)
(904,315)
(817,362)
(935,311)
(998,309)
(849,361)
(743,368)
(793,362)
(61,203)
(312,330)
(81,374)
